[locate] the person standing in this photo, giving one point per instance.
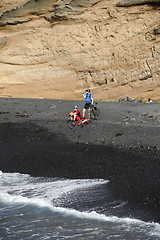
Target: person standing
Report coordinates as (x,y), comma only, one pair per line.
(88,102)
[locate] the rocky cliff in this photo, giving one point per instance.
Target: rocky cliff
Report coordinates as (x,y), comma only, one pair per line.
(56,48)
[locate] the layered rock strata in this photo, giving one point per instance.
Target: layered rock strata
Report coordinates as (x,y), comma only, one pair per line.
(54,48)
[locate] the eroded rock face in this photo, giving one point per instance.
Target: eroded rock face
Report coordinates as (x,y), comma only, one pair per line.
(55,48)
(126,3)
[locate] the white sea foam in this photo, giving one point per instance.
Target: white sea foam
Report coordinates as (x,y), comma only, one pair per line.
(21,189)
(152,228)
(42,188)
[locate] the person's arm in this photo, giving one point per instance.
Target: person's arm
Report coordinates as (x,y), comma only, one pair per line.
(92,100)
(83,94)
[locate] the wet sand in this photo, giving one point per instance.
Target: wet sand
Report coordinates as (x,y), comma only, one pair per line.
(123,146)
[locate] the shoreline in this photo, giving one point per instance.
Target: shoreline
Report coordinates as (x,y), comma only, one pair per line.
(35,140)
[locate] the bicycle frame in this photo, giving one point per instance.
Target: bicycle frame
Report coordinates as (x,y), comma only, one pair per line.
(95,112)
(81,122)
(94,115)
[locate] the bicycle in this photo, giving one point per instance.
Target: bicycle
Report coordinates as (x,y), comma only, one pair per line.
(94,115)
(81,122)
(95,112)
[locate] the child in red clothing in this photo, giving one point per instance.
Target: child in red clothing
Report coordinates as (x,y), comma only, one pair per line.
(75,115)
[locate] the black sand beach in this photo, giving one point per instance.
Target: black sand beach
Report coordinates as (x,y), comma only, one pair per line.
(123,146)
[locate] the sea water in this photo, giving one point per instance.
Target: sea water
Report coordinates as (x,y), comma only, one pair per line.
(45,208)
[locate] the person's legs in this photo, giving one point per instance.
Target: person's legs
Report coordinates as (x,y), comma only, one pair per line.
(77,118)
(71,116)
(86,107)
(84,110)
(89,111)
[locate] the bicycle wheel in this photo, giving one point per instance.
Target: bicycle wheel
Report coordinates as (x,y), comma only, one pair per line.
(70,124)
(95,113)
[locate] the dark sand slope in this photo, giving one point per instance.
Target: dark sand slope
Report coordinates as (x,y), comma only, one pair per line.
(123,146)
